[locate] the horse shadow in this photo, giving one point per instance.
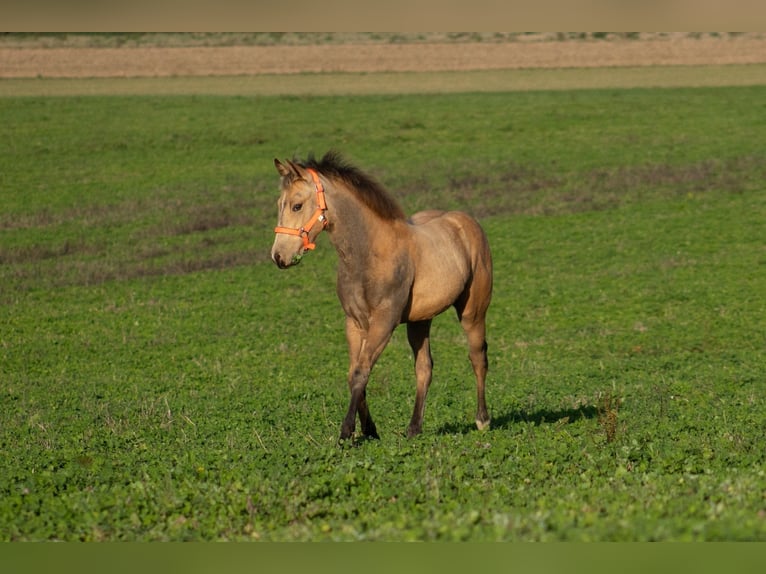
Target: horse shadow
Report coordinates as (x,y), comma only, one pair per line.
(512,418)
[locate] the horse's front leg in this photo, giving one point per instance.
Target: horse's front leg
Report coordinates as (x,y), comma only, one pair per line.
(365,346)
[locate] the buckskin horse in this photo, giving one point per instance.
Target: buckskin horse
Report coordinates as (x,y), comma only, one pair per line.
(391,270)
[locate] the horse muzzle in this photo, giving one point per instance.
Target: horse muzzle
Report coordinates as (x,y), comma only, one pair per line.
(283,263)
(284,255)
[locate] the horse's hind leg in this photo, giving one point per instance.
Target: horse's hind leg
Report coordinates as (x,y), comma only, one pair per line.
(418,336)
(477,345)
(474,325)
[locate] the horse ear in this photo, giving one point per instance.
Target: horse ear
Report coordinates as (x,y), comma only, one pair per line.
(296,169)
(283,171)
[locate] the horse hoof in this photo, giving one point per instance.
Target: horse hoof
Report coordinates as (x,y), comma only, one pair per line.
(344,436)
(413,432)
(482,425)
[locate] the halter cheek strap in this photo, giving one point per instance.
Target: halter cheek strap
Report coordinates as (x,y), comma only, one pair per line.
(303,232)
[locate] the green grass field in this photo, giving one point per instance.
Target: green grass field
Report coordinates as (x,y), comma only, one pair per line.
(160,379)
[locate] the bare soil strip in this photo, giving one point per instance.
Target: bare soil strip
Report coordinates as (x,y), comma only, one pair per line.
(333,84)
(371,58)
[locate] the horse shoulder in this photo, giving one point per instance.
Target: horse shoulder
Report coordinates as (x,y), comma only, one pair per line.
(380,277)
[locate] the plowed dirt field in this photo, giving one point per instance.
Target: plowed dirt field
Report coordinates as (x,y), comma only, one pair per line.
(408,57)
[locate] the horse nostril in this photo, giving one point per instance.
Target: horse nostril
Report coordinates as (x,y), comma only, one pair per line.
(281,263)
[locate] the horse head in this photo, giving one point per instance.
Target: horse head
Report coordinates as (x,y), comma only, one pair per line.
(301,206)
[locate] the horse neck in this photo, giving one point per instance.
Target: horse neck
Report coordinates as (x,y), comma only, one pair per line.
(353,228)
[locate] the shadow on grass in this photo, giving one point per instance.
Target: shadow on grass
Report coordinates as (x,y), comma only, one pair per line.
(510,419)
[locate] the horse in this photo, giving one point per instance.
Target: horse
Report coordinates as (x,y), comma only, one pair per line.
(391,270)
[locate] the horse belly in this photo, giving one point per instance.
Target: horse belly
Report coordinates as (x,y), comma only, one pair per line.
(441,253)
(438,284)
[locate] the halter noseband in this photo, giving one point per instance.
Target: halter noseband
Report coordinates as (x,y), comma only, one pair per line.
(303,232)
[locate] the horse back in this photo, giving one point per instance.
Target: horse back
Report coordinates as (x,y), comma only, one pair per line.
(451,230)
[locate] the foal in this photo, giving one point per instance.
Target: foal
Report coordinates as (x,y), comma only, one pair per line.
(391,270)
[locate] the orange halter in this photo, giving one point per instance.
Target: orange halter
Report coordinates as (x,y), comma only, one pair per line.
(303,232)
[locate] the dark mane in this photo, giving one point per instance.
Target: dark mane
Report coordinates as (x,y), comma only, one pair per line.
(367,189)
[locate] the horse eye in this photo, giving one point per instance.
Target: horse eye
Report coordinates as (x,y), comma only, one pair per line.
(297,207)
